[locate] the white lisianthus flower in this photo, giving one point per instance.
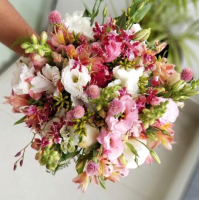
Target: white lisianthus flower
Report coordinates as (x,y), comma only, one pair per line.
(91,137)
(129,78)
(74,80)
(114,83)
(47,80)
(142,151)
(135,28)
(21,80)
(79,24)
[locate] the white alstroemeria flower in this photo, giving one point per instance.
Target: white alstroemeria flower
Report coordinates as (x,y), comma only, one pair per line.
(74,80)
(21,80)
(47,80)
(91,137)
(79,24)
(129,78)
(142,151)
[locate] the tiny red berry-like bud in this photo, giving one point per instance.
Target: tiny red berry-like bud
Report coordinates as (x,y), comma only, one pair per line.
(18,154)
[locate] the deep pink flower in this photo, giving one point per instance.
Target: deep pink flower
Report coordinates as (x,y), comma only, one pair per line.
(112,51)
(54,17)
(112,144)
(187,74)
(129,116)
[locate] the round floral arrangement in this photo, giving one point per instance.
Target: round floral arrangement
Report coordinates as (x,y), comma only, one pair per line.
(99,94)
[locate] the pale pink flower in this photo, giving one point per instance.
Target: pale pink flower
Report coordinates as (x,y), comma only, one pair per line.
(83,180)
(54,17)
(112,144)
(93,91)
(172,111)
(187,74)
(17,101)
(115,107)
(92,168)
(129,116)
(78,112)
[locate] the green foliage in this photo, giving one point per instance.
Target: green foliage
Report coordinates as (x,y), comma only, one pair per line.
(121,22)
(149,116)
(106,95)
(20,121)
(79,126)
(21,40)
(181,91)
(164,18)
(48,157)
(95,11)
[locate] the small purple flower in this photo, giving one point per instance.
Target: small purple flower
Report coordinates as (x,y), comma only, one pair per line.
(78,112)
(187,74)
(93,91)
(54,17)
(92,168)
(115,107)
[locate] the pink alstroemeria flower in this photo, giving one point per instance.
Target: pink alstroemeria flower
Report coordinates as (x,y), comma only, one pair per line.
(112,144)
(129,116)
(83,180)
(17,101)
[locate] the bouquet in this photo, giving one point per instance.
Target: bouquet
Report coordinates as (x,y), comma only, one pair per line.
(99,94)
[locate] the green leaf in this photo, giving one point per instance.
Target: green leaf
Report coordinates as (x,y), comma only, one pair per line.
(87,12)
(67,156)
(121,23)
(20,121)
(132,148)
(134,7)
(81,163)
(139,14)
(102,184)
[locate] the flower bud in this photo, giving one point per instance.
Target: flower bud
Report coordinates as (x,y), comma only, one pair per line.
(178,85)
(34,39)
(173,79)
(43,37)
(105,11)
(123,161)
(25,45)
(142,35)
(155,156)
(29,50)
(41,52)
